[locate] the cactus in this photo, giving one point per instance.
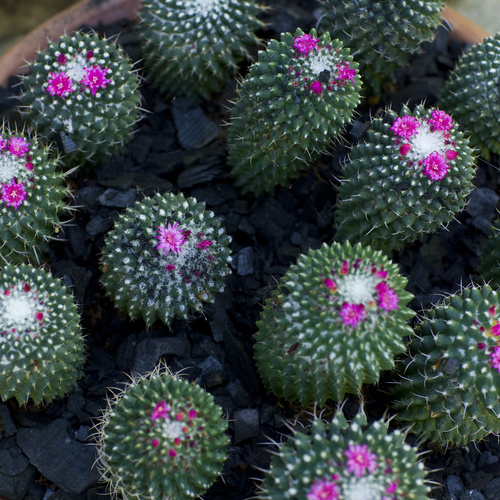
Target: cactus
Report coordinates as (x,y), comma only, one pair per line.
(296,99)
(161,438)
(409,176)
(335,321)
(82,92)
(41,346)
(382,35)
(489,267)
(164,257)
(192,48)
(32,196)
(338,460)
(450,382)
(471,92)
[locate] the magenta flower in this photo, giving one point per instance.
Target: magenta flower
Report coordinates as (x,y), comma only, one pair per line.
(391,488)
(344,270)
(171,238)
(18,146)
(495,330)
(13,194)
(387,298)
(345,73)
(451,154)
(204,244)
(360,459)
(435,166)
(495,358)
(330,284)
(316,87)
(305,43)
(405,126)
(61,59)
(161,410)
(352,314)
(59,84)
(95,78)
(404,149)
(3,143)
(440,120)
(324,490)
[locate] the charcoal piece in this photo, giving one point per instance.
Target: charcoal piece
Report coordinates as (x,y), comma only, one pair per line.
(238,393)
(6,421)
(246,424)
(482,208)
(471,495)
(12,461)
(200,174)
(98,225)
(212,373)
(244,261)
(15,487)
(455,486)
(492,488)
(116,198)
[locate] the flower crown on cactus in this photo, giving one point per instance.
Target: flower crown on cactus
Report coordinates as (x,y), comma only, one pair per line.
(161,437)
(335,321)
(296,99)
(409,176)
(339,460)
(382,34)
(32,196)
(165,256)
(450,383)
(193,47)
(471,94)
(82,91)
(41,346)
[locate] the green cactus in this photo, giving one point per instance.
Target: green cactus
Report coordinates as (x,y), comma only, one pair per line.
(32,196)
(409,176)
(82,91)
(295,101)
(382,35)
(338,460)
(489,267)
(161,438)
(41,346)
(165,257)
(471,92)
(450,383)
(337,318)
(193,47)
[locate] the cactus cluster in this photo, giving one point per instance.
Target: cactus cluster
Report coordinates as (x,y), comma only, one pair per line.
(408,176)
(337,318)
(161,437)
(382,35)
(295,100)
(450,383)
(338,460)
(82,92)
(32,196)
(193,47)
(164,258)
(41,346)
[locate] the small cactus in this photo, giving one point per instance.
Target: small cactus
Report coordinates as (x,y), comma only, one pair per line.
(338,460)
(409,176)
(382,35)
(161,438)
(450,383)
(32,196)
(337,318)
(41,346)
(471,92)
(164,258)
(296,99)
(192,48)
(82,92)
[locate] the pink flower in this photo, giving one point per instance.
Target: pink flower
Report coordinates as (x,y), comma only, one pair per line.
(435,166)
(495,358)
(161,410)
(305,43)
(440,120)
(495,330)
(324,490)
(344,269)
(59,84)
(352,314)
(18,146)
(171,238)
(89,55)
(316,87)
(345,73)
(391,488)
(3,143)
(95,78)
(204,244)
(155,443)
(387,299)
(360,459)
(38,316)
(405,126)
(491,310)
(13,194)
(170,267)
(61,59)
(172,453)
(451,154)
(191,414)
(404,149)
(330,284)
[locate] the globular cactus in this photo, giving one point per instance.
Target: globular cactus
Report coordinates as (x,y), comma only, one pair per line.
(382,35)
(32,196)
(450,383)
(41,345)
(192,48)
(82,91)
(470,94)
(489,267)
(338,460)
(337,318)
(161,438)
(408,176)
(164,258)
(295,100)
